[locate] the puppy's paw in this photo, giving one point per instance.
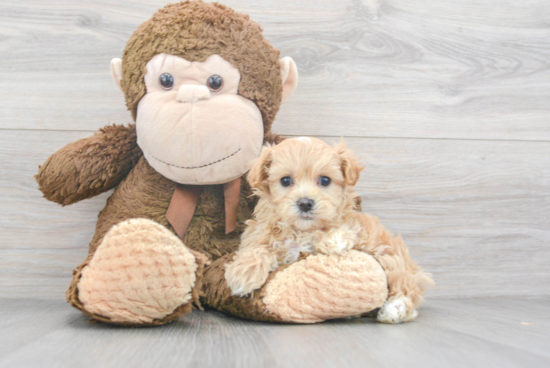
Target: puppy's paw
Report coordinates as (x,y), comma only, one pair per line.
(337,241)
(241,280)
(396,311)
(249,270)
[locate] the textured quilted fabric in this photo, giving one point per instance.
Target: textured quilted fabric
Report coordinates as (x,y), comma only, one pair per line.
(324,287)
(140,272)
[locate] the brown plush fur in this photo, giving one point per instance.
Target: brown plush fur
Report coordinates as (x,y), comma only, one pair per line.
(196,30)
(90,166)
(144,193)
(112,159)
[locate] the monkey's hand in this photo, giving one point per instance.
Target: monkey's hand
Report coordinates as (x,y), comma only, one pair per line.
(89,166)
(249,270)
(337,241)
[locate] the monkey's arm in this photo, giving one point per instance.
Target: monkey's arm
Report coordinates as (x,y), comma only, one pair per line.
(89,166)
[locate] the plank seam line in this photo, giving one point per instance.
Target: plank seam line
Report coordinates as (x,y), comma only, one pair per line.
(319,135)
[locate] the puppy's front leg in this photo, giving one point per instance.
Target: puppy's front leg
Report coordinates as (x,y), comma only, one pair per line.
(249,270)
(336,241)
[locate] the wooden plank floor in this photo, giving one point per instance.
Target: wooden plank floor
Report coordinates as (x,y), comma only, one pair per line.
(470,333)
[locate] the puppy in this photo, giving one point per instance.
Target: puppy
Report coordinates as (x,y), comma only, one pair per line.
(307,204)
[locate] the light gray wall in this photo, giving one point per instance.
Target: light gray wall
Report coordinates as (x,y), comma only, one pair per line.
(447,103)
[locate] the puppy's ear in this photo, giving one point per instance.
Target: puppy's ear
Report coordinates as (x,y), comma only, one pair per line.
(351,168)
(257,176)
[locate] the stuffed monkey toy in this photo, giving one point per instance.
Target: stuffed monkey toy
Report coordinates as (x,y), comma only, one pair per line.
(203,86)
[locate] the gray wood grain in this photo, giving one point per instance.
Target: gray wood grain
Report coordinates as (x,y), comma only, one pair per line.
(475,213)
(28,220)
(38,273)
(377,68)
(473,208)
(465,333)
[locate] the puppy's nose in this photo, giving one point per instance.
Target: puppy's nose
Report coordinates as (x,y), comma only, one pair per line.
(305,204)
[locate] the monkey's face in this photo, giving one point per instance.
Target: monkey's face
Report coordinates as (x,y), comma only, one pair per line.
(192,125)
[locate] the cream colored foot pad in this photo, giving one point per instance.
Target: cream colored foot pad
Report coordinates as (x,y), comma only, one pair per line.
(139,273)
(324,287)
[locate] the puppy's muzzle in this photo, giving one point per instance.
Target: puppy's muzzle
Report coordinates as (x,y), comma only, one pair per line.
(305,204)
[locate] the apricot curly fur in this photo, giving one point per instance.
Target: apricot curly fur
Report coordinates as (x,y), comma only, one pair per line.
(332,225)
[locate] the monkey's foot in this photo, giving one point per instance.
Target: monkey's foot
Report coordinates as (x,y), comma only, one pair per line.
(313,289)
(322,287)
(140,274)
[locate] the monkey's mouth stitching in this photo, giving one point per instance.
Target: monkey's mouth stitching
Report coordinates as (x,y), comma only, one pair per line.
(197,167)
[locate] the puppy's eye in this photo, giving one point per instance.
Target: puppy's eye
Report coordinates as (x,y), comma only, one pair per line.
(215,83)
(286,181)
(166,81)
(324,181)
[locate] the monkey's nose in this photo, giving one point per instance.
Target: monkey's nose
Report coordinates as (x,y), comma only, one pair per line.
(305,204)
(193,93)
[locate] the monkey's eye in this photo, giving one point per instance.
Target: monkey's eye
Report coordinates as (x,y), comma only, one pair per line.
(286,181)
(215,83)
(324,181)
(166,81)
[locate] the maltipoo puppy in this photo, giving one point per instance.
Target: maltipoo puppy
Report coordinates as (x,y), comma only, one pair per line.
(307,204)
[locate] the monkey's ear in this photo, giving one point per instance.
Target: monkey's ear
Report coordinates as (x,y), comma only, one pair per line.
(116,71)
(258,174)
(351,168)
(289,75)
